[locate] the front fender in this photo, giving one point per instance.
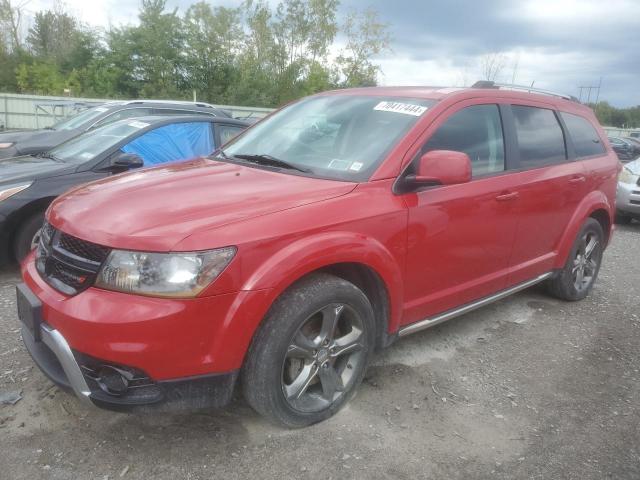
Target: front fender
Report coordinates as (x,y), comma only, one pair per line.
(595,200)
(309,254)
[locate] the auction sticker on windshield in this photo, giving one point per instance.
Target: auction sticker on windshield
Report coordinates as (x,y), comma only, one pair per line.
(137,124)
(399,107)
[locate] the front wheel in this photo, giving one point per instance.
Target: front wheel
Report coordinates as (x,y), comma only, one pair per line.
(311,352)
(576,279)
(27,236)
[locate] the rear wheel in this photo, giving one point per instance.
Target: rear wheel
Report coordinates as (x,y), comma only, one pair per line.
(27,236)
(576,279)
(311,352)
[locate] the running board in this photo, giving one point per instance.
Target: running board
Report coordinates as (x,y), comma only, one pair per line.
(443,317)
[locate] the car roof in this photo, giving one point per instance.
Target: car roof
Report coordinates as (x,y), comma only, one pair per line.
(514,93)
(167,119)
(198,106)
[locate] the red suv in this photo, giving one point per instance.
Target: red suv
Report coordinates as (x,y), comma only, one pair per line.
(332,228)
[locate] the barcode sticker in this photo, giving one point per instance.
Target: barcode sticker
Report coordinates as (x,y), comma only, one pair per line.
(399,107)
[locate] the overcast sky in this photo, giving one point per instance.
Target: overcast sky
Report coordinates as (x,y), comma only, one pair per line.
(558,44)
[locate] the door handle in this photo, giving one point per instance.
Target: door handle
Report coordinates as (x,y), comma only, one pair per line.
(505,197)
(577,179)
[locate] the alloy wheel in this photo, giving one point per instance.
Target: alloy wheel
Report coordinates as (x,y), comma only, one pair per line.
(323,357)
(586,261)
(35,240)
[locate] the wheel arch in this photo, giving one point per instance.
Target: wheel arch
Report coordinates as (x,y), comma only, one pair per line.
(17,218)
(595,205)
(356,258)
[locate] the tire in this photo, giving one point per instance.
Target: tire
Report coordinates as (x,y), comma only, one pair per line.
(576,279)
(25,235)
(622,219)
(278,376)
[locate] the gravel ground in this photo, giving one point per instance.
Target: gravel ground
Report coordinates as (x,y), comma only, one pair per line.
(529,387)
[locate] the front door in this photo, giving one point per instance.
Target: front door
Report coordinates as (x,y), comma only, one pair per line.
(460,237)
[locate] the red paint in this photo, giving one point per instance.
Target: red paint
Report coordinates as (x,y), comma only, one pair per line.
(434,249)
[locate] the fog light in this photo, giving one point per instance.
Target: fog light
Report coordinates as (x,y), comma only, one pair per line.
(113,381)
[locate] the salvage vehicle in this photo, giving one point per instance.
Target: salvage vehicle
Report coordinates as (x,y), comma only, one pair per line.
(628,193)
(28,184)
(31,142)
(330,229)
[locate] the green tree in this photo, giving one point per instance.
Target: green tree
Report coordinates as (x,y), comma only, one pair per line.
(366,38)
(213,40)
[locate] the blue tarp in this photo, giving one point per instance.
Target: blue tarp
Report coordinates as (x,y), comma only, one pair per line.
(178,141)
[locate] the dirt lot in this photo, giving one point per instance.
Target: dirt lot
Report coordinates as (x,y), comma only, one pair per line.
(529,387)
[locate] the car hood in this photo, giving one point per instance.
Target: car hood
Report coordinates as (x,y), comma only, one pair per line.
(35,141)
(154,209)
(633,166)
(28,168)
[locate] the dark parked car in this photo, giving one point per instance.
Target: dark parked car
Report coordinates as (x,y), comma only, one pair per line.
(623,148)
(28,142)
(28,184)
(635,143)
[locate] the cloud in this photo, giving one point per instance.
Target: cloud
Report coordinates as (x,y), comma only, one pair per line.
(558,44)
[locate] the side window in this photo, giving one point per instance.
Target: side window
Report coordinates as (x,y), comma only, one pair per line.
(227,132)
(540,137)
(476,131)
(173,142)
(585,138)
(122,114)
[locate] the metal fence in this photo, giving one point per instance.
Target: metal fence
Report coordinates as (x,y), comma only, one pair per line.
(621,132)
(35,111)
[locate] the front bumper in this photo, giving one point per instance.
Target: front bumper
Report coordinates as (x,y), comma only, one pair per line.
(180,353)
(74,371)
(628,198)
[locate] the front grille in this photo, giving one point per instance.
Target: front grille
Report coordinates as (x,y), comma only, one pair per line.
(68,264)
(83,249)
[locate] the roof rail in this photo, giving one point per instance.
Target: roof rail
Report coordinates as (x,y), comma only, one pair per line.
(521,88)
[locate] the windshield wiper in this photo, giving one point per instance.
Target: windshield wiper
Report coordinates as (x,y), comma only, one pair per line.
(271,161)
(49,156)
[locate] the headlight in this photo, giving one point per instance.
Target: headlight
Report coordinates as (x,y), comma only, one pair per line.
(163,274)
(6,145)
(626,176)
(6,192)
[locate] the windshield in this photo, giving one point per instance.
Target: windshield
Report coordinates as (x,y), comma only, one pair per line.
(343,137)
(89,145)
(78,121)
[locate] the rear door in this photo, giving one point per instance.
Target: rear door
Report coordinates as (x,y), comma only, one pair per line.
(551,186)
(460,236)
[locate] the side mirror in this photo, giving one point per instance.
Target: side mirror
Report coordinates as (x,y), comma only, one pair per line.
(122,162)
(442,167)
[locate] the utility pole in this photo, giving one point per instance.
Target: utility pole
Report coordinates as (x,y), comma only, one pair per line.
(588,89)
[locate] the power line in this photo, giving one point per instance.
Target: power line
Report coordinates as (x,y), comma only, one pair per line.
(587,89)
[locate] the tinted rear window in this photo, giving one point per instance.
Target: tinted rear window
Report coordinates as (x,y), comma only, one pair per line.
(585,138)
(540,136)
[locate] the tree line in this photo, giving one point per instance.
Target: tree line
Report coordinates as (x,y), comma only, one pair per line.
(611,116)
(254,54)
